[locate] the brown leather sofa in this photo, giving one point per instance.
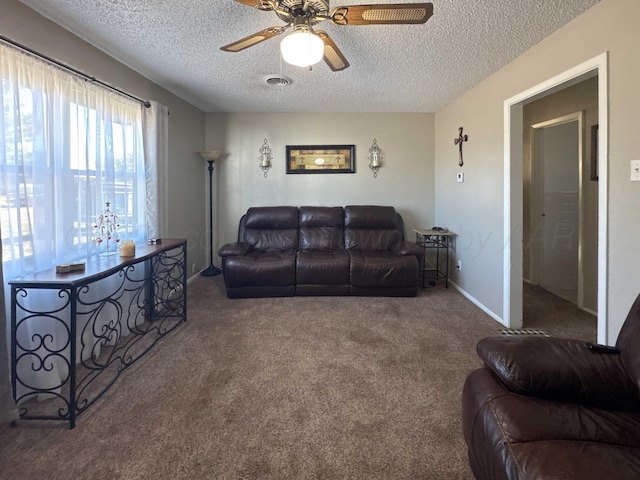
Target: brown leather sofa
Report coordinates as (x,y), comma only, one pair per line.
(286,251)
(552,408)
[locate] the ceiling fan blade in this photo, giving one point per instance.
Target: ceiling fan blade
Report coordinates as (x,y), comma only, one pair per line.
(254,39)
(332,54)
(262,5)
(381,14)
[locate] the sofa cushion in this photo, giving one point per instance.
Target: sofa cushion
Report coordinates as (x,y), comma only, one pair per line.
(321,228)
(261,269)
(272,218)
(322,267)
(271,229)
(370,216)
(371,228)
(376,269)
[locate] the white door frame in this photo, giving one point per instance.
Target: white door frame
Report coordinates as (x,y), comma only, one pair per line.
(512,273)
(535,154)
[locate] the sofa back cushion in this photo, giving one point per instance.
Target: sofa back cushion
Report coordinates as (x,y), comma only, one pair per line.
(371,228)
(270,229)
(321,228)
(629,342)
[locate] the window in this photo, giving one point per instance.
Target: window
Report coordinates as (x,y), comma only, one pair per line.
(67,147)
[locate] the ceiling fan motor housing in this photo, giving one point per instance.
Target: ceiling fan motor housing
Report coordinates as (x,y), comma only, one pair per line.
(291,10)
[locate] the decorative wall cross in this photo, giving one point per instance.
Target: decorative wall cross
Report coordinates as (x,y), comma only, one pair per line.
(458,141)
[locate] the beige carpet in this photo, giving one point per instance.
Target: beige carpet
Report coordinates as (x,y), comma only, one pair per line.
(330,387)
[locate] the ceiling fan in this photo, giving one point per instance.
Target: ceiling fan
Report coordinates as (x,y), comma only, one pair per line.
(313,45)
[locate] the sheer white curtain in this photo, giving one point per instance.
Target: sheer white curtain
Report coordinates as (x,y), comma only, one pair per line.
(67,146)
(8,411)
(156,148)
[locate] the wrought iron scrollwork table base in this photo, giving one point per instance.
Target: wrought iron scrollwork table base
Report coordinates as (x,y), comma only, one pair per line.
(73,334)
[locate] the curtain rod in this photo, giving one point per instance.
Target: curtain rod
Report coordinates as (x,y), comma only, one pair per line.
(74,70)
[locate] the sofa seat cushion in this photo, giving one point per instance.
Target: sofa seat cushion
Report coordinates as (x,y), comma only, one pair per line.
(322,267)
(512,436)
(261,269)
(376,269)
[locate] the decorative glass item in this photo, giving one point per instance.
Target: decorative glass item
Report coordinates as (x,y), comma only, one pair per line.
(105,230)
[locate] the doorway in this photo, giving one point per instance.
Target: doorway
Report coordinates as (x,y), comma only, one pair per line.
(555,208)
(513,200)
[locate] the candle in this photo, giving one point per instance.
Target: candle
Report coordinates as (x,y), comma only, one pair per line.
(375,162)
(128,249)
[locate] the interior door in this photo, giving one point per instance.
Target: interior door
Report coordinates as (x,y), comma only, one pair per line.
(559,158)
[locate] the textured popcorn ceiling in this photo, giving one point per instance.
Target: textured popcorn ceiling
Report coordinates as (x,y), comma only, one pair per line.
(394,68)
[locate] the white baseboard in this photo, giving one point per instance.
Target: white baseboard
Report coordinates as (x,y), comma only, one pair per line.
(478,304)
(193,277)
(588,310)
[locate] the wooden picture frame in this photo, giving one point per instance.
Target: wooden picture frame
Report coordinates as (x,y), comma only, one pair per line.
(321,158)
(594,153)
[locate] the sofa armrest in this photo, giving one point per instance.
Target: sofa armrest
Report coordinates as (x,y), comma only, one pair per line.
(234,249)
(408,248)
(560,369)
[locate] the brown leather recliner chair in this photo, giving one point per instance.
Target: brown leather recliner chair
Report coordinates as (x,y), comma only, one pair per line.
(552,408)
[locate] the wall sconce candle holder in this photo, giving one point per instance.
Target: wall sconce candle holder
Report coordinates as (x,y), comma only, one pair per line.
(375,158)
(265,158)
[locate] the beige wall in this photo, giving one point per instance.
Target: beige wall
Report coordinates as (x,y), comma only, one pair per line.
(581,97)
(419,155)
(476,207)
(186,122)
(405,181)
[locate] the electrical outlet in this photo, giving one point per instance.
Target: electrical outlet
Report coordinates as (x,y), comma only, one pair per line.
(460,177)
(194,268)
(460,265)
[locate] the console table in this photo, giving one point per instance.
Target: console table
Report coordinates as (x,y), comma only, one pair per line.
(440,241)
(73,334)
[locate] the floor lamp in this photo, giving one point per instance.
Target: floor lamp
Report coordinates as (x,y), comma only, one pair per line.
(211,157)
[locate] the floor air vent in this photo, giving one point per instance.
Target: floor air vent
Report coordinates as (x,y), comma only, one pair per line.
(524,331)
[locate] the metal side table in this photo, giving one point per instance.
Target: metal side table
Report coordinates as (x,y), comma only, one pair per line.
(440,241)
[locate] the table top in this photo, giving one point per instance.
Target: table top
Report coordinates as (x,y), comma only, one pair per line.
(430,232)
(97,266)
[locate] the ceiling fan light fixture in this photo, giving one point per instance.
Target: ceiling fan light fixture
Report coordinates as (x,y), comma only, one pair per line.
(302,48)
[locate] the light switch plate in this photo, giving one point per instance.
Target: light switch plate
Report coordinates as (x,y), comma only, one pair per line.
(635,170)
(460,177)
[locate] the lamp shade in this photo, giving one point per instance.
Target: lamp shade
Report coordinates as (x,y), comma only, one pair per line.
(302,48)
(210,155)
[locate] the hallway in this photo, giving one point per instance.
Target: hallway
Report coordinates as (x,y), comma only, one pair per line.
(558,317)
